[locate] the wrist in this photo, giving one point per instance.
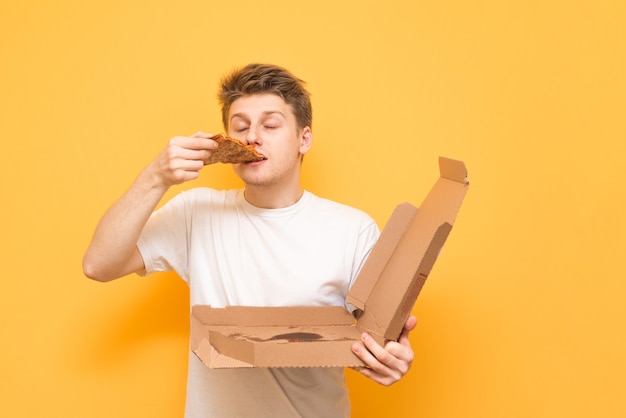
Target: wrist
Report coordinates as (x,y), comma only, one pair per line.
(151,179)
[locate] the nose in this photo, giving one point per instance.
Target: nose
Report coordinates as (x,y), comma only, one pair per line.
(253,137)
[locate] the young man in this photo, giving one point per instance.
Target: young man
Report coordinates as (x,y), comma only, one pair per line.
(270,244)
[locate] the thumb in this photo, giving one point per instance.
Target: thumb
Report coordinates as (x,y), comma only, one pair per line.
(409,326)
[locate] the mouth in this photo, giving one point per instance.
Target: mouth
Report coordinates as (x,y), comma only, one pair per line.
(256,162)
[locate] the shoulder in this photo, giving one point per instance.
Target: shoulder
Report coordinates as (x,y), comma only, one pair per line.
(199,199)
(340,211)
(332,205)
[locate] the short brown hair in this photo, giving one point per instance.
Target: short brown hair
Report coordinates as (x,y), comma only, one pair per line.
(266,78)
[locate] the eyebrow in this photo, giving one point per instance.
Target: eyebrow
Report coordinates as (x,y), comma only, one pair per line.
(265,113)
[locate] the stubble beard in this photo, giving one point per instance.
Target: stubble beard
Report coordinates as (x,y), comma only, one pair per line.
(264,179)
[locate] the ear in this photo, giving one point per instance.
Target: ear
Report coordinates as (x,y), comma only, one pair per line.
(306,140)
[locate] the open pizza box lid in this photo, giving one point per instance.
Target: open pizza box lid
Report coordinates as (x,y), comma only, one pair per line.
(383,294)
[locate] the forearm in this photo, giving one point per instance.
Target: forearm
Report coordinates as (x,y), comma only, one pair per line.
(113,252)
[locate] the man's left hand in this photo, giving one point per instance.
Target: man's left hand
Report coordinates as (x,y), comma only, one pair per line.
(386,365)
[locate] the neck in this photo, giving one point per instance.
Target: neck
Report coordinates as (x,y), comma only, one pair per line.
(272,198)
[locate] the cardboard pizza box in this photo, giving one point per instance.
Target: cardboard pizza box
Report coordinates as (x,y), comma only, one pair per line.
(383,296)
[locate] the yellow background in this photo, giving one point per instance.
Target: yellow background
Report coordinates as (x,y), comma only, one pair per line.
(524,314)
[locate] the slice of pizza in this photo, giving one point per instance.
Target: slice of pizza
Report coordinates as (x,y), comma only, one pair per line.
(232,151)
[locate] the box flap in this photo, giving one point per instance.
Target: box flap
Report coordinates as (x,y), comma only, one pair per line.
(393,291)
(390,237)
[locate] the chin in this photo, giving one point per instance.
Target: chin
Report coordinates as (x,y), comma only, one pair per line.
(251,178)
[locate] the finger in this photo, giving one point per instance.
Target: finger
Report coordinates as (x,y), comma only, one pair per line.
(394,356)
(181,176)
(374,369)
(375,356)
(378,351)
(193,154)
(180,170)
(187,148)
(177,157)
(193,142)
(372,365)
(201,134)
(186,164)
(402,356)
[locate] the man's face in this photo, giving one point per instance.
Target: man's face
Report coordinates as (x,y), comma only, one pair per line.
(268,123)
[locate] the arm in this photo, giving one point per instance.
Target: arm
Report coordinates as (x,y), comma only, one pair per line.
(113,251)
(386,365)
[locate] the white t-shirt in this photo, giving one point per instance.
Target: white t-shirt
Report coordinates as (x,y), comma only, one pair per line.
(233,253)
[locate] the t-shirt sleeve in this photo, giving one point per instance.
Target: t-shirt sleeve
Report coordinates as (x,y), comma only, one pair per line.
(164,240)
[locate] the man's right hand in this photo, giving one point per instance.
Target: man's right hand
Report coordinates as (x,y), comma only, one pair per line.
(183,158)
